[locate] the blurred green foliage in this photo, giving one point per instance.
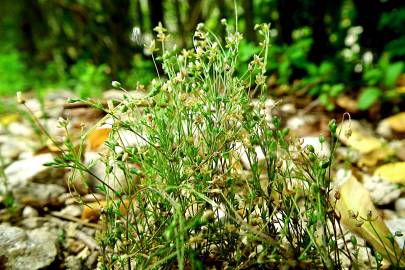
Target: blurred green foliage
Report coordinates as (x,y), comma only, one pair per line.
(322,47)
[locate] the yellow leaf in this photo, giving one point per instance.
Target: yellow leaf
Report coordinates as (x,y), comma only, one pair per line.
(397,122)
(97,137)
(371,159)
(351,134)
(393,172)
(7,119)
(354,197)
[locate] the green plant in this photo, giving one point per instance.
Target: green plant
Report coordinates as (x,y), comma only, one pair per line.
(381,80)
(87,79)
(206,180)
(285,59)
(13,73)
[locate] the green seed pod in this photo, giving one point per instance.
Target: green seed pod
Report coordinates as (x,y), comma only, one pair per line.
(332,126)
(285,131)
(325,164)
(321,138)
(276,122)
(310,148)
(378,256)
(398,234)
(353,240)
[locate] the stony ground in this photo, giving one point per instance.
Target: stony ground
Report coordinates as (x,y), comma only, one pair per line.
(44,226)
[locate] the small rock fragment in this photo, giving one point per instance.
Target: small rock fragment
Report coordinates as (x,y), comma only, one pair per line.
(29,212)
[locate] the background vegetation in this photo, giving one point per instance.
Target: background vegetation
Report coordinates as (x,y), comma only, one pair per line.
(320,48)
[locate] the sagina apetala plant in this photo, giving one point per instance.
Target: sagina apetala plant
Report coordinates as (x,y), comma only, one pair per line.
(188,200)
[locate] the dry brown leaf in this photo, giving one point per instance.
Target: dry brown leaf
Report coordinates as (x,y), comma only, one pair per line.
(351,134)
(355,198)
(397,122)
(393,172)
(97,137)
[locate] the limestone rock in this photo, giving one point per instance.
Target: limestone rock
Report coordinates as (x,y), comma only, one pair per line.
(34,249)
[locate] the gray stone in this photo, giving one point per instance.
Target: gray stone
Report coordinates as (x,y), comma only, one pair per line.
(34,249)
(73,263)
(32,222)
(37,194)
(21,172)
(12,146)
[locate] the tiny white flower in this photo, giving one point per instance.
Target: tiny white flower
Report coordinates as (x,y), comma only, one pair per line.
(116,84)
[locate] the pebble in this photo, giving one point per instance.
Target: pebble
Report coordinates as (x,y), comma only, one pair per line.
(34,249)
(400,207)
(29,212)
(72,210)
(288,108)
(73,263)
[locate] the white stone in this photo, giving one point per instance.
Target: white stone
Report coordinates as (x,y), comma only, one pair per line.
(296,122)
(29,212)
(19,129)
(72,210)
(321,149)
(384,129)
(381,192)
(288,108)
(241,151)
(397,225)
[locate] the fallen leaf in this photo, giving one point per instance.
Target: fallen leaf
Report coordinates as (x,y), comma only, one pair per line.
(355,197)
(397,122)
(393,172)
(371,159)
(7,119)
(97,137)
(352,134)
